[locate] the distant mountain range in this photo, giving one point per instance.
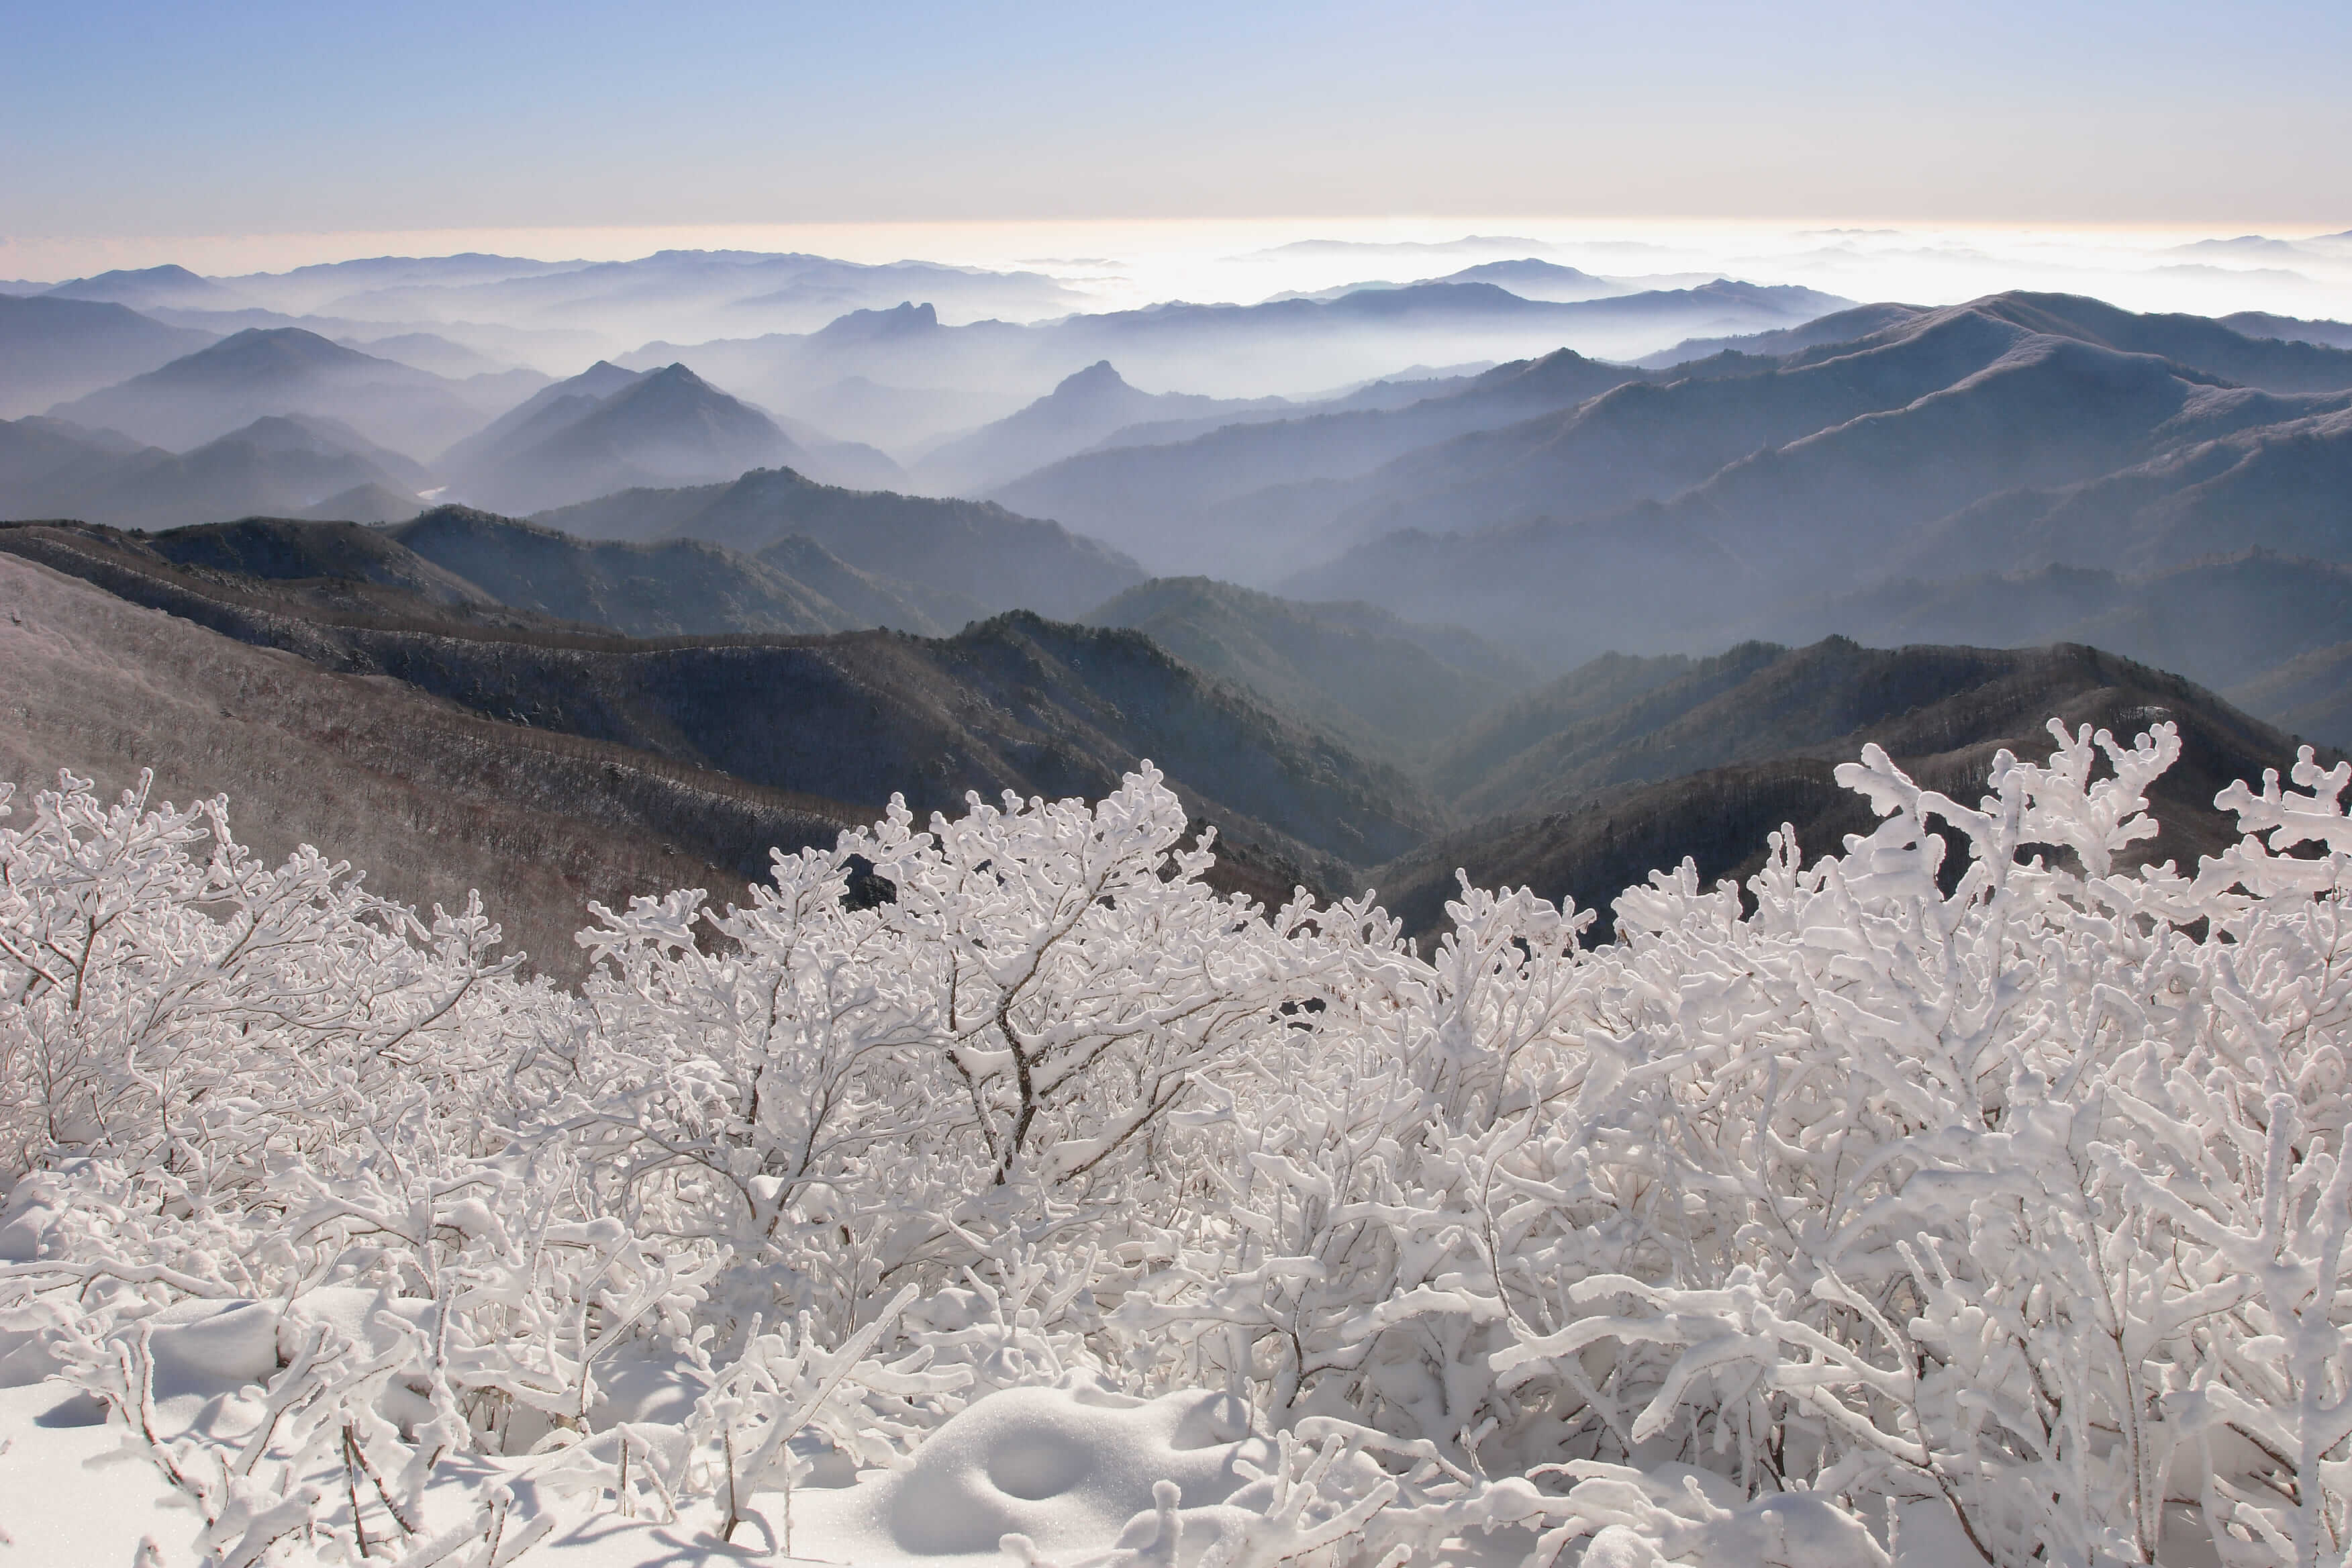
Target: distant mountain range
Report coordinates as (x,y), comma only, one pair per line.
(1084,408)
(711,290)
(1809,525)
(1290,346)
(2223,621)
(1253,500)
(2260,324)
(257,372)
(154,288)
(609,429)
(1649,518)
(52,350)
(283,464)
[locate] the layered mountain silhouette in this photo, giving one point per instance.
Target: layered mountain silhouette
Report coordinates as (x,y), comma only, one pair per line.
(1646,517)
(40,456)
(2223,622)
(1085,407)
(1291,347)
(148,288)
(1253,500)
(2290,328)
(2283,485)
(279,465)
(52,350)
(365,503)
(669,427)
(971,553)
(713,292)
(611,429)
(1807,526)
(285,370)
(1531,278)
(327,286)
(2310,695)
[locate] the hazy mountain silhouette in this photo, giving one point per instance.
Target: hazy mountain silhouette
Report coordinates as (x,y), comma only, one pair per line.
(1387,686)
(280,370)
(903,420)
(1242,497)
(431,350)
(975,553)
(1949,443)
(667,427)
(148,287)
(2222,622)
(52,349)
(2289,329)
(543,412)
(709,293)
(2194,340)
(1530,278)
(1665,432)
(41,458)
(279,465)
(365,503)
(2310,695)
(1400,390)
(1084,408)
(1289,346)
(2286,485)
(1837,327)
(610,429)
(2273,352)
(307,290)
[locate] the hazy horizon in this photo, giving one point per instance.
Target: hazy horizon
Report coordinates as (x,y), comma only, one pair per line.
(1116,264)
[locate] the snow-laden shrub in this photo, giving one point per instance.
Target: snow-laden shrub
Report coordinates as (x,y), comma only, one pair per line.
(168,1002)
(1999,1201)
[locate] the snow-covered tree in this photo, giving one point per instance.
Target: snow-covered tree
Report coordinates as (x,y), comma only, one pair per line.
(1971,1178)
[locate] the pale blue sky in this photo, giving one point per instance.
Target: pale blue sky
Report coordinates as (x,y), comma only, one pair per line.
(196,118)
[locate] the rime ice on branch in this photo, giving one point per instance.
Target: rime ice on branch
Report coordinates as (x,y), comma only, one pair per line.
(2004,1198)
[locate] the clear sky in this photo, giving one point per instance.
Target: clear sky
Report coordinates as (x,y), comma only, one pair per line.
(194,117)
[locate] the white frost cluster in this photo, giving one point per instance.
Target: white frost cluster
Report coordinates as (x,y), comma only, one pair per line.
(1994,1202)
